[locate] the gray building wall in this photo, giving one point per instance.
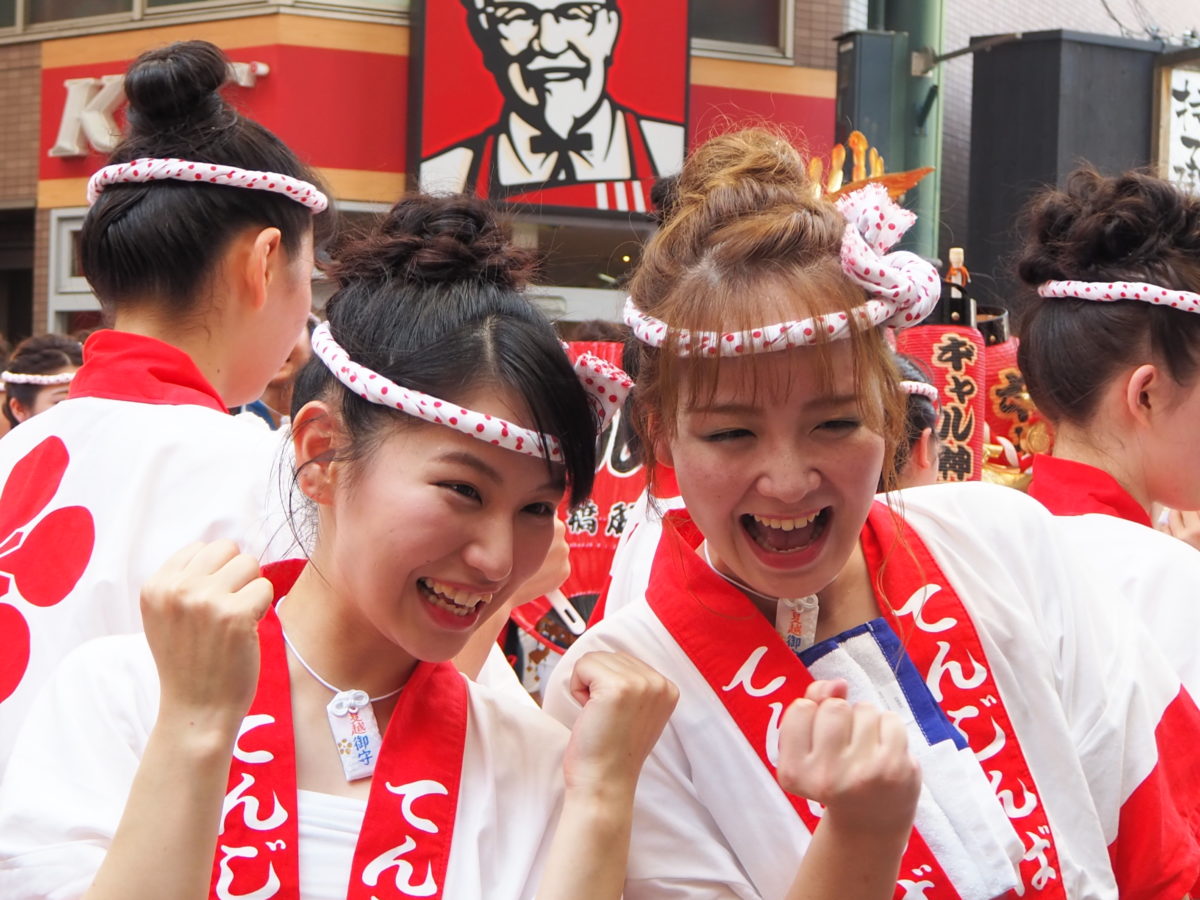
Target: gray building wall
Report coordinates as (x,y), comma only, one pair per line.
(969,18)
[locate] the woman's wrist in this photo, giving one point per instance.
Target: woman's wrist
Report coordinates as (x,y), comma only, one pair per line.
(197,734)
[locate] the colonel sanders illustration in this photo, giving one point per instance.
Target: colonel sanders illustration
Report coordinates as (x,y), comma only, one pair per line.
(558,126)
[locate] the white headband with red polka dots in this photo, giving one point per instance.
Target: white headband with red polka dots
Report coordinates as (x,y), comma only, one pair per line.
(39,380)
(142,170)
(1105,291)
(903,288)
(921,389)
(606,386)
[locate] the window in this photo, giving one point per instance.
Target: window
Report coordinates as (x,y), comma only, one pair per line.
(41,11)
(757,28)
(69,291)
(41,18)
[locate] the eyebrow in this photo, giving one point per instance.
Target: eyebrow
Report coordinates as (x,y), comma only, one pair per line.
(462,457)
(471,461)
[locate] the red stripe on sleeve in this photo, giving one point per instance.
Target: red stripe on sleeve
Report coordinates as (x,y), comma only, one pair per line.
(1157,851)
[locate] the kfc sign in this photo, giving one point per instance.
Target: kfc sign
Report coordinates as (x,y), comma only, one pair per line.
(556,104)
(88,121)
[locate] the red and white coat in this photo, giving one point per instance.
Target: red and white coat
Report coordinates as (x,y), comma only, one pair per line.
(98,492)
(1155,573)
(1103,725)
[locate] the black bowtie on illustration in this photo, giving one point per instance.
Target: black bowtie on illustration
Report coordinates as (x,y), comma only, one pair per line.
(563,147)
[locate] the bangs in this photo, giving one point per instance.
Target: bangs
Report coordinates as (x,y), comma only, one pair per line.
(737,305)
(669,383)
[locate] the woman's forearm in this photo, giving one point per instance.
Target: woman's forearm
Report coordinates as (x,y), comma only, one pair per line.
(848,865)
(590,849)
(166,840)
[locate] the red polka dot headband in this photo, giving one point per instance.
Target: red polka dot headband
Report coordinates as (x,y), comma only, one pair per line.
(1104,291)
(142,170)
(606,386)
(39,380)
(903,288)
(920,389)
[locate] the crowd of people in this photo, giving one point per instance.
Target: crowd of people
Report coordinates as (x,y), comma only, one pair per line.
(257,565)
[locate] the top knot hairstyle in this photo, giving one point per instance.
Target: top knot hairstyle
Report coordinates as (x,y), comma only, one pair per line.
(433,300)
(749,240)
(1131,227)
(159,240)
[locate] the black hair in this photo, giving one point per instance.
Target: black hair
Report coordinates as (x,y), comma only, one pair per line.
(920,412)
(159,240)
(40,355)
(432,299)
(1131,227)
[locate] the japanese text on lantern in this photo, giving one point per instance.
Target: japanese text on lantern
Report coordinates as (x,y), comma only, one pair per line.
(956,355)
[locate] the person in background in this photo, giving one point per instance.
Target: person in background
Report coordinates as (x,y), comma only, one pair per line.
(917,455)
(1110,349)
(38,375)
(274,406)
(199,245)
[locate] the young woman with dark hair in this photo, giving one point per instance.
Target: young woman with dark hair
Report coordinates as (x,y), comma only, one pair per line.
(916,461)
(1110,348)
(199,246)
(1051,736)
(38,375)
(435,432)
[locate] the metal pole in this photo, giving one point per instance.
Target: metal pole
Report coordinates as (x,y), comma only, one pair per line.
(924,21)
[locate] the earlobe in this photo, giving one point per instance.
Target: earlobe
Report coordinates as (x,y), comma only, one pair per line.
(264,257)
(662,447)
(17,408)
(924,452)
(1142,393)
(316,438)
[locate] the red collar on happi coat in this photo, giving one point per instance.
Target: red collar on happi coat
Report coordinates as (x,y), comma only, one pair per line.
(403,849)
(1070,488)
(118,365)
(756,677)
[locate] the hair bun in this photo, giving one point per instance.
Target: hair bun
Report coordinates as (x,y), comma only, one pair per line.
(744,172)
(431,240)
(1131,226)
(174,83)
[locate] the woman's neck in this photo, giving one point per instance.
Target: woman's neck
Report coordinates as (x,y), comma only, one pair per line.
(845,602)
(203,342)
(848,600)
(342,648)
(1091,447)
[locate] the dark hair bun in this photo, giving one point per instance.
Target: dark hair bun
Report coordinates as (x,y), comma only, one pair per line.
(1131,227)
(429,240)
(175,83)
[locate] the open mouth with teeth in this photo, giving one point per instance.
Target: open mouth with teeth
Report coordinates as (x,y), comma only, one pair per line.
(450,598)
(786,535)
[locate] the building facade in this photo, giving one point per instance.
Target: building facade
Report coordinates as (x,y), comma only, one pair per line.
(332,79)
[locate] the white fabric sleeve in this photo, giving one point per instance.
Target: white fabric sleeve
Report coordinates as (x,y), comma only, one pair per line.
(676,850)
(75,759)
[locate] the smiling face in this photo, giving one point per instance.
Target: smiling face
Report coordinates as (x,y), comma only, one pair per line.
(550,57)
(426,536)
(778,468)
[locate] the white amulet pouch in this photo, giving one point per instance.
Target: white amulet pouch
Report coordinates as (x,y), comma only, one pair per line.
(355,732)
(796,622)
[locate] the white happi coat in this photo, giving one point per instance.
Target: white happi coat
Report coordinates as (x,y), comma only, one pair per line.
(149,461)
(1156,574)
(1080,679)
(68,780)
